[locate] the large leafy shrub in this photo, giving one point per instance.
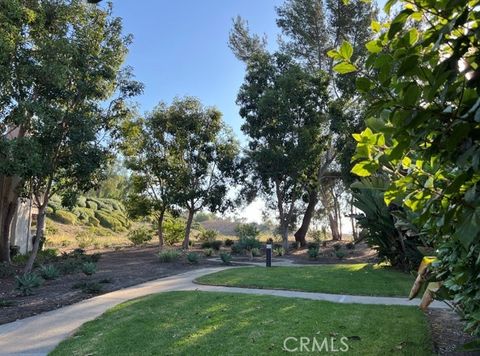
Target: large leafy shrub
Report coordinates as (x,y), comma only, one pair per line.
(140,236)
(173,230)
(421,83)
(64,217)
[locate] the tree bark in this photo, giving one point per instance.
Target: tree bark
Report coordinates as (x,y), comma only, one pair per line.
(301,234)
(352,220)
(334,227)
(39,236)
(160,230)
(284,233)
(191,212)
(8,207)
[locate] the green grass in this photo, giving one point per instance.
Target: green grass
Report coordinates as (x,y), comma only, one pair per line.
(354,279)
(205,323)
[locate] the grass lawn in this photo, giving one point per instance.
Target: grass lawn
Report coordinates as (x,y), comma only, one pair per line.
(205,323)
(354,279)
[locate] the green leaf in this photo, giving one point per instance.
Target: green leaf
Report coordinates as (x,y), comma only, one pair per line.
(346,50)
(375,26)
(344,68)
(388,6)
(373,46)
(398,22)
(334,54)
(364,84)
(364,169)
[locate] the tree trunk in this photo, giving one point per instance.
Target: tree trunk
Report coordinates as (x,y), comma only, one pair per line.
(284,233)
(334,227)
(300,235)
(352,220)
(8,206)
(188,228)
(160,230)
(38,238)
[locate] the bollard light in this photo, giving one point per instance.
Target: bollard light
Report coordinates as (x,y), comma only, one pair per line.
(268,252)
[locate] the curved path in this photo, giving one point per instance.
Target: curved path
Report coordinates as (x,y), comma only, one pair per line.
(40,334)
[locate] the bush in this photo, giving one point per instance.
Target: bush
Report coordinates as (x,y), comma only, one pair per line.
(208,252)
(69,266)
(337,247)
(93,221)
(193,258)
(6,270)
(340,254)
(140,236)
(6,303)
(208,235)
(27,283)
(350,246)
(89,268)
(279,251)
(256,252)
(64,217)
(313,245)
(84,239)
(248,244)
(173,230)
(49,272)
(108,221)
(89,287)
(212,244)
(229,242)
(236,249)
(226,258)
(247,231)
(313,252)
(168,256)
(92,205)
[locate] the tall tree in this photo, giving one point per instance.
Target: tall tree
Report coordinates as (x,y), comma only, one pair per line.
(204,154)
(284,111)
(67,63)
(242,43)
(310,28)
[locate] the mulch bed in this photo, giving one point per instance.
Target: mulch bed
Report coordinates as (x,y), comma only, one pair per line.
(121,269)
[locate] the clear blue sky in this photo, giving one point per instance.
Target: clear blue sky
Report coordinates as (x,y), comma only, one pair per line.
(180,48)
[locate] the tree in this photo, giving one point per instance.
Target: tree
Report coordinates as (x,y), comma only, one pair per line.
(284,111)
(421,82)
(310,28)
(71,55)
(242,43)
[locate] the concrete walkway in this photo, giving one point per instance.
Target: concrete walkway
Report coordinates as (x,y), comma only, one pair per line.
(40,334)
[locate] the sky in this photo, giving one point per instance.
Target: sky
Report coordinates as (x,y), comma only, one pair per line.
(180,47)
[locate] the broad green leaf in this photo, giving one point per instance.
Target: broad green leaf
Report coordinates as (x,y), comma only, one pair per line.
(344,68)
(376,26)
(364,84)
(373,46)
(346,50)
(389,5)
(406,162)
(334,54)
(364,169)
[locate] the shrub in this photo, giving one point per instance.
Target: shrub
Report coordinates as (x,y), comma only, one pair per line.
(50,229)
(226,258)
(212,244)
(337,247)
(168,256)
(6,270)
(49,272)
(340,254)
(82,202)
(69,266)
(6,303)
(236,249)
(256,252)
(247,231)
(313,245)
(279,251)
(229,242)
(89,268)
(208,235)
(84,239)
(64,217)
(313,252)
(108,221)
(248,244)
(193,258)
(208,252)
(20,259)
(47,255)
(173,230)
(92,205)
(27,283)
(89,287)
(140,236)
(350,246)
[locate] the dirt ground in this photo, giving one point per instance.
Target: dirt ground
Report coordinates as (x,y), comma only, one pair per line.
(130,266)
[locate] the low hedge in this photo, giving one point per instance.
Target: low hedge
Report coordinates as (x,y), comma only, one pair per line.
(64,217)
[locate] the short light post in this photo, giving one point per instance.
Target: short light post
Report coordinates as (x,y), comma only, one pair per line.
(268,252)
